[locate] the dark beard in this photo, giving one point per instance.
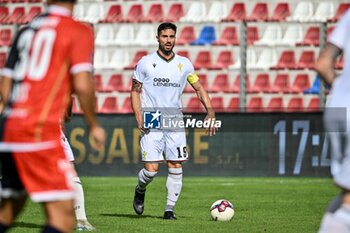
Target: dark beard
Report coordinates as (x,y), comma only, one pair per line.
(166,52)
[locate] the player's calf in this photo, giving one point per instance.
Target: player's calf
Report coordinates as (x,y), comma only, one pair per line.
(145,177)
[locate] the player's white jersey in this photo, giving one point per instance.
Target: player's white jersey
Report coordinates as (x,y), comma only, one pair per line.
(162,81)
(341,86)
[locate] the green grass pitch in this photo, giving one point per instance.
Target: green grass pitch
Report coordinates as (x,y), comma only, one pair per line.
(280,205)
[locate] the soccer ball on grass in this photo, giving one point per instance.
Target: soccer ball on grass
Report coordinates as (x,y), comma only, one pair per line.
(222,210)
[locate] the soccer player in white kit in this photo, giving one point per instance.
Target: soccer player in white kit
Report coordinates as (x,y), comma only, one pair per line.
(158,82)
(337,124)
(79,202)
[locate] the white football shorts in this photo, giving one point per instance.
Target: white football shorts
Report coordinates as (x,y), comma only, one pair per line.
(157,146)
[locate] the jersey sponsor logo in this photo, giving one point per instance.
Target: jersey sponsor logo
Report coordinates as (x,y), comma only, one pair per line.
(164,82)
(152,120)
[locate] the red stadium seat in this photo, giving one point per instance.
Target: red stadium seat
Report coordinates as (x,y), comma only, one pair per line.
(126,107)
(255,104)
(260,12)
(339,63)
(4,13)
(110,105)
(33,12)
(281,84)
(220,84)
(281,12)
(75,107)
(183,53)
(237,13)
(300,83)
(98,83)
(228,37)
(176,11)
(314,105)
(16,16)
(195,105)
(312,37)
(329,31)
(203,60)
(275,105)
(5,37)
(2,59)
(115,83)
(114,14)
(286,61)
(17,1)
(129,86)
(135,14)
(218,104)
(155,13)
(261,84)
(203,79)
(307,60)
(187,35)
(252,35)
(137,57)
(236,84)
(342,8)
(223,61)
(233,105)
(295,104)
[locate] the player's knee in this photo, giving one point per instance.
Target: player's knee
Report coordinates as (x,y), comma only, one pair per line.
(174,165)
(151,167)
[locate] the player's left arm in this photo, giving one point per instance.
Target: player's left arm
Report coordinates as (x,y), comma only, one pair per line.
(5,89)
(205,100)
(6,76)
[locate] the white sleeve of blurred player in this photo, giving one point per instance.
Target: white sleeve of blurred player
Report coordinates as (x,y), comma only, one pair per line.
(67,149)
(341,33)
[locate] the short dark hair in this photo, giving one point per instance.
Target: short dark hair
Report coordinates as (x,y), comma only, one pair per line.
(166,25)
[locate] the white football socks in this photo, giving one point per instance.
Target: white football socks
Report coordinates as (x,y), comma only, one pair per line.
(145,177)
(79,206)
(174,185)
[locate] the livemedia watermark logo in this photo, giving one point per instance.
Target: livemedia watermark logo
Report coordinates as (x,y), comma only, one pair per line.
(175,120)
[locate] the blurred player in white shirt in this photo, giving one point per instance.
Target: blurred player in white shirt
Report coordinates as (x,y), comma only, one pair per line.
(79,202)
(158,82)
(337,124)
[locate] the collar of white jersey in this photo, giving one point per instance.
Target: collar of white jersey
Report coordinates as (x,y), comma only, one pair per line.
(58,10)
(164,59)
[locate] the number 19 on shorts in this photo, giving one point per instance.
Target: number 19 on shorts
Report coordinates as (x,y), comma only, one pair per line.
(182,153)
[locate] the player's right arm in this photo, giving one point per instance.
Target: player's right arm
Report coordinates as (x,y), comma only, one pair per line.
(136,103)
(135,94)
